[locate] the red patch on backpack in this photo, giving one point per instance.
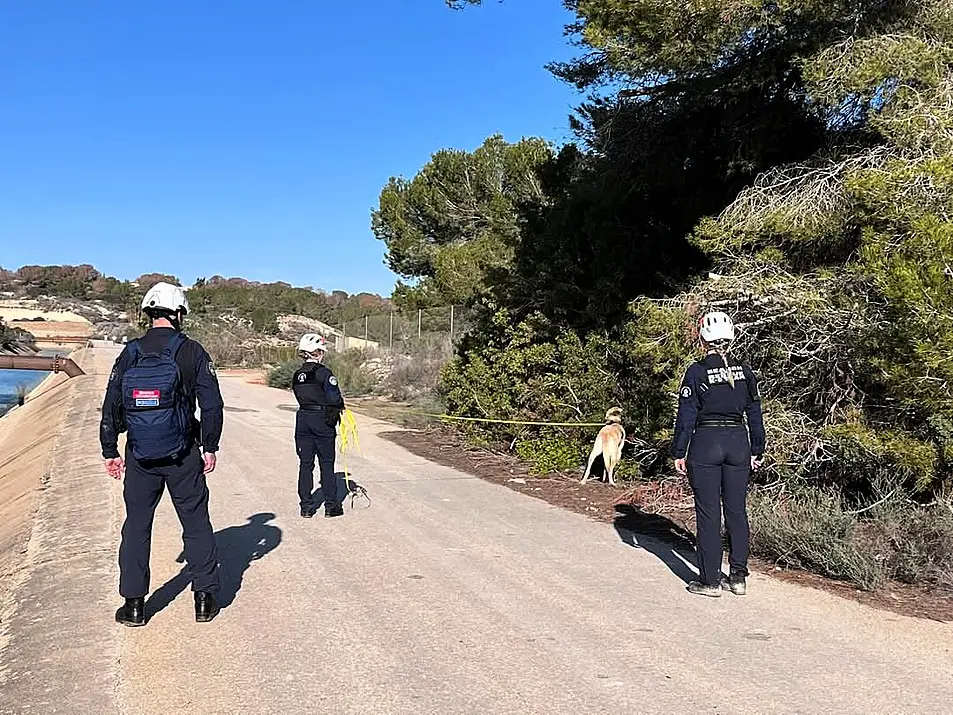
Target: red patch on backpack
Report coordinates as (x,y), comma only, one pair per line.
(146,398)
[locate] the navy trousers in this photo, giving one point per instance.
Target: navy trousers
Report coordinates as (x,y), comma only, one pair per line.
(144,484)
(314,439)
(719,467)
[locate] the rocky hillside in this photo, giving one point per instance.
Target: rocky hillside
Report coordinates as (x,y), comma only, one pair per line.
(15,340)
(243,322)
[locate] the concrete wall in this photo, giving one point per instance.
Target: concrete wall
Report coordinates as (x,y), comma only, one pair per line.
(27,437)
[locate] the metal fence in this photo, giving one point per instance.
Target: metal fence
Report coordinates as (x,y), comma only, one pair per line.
(404,331)
(274,354)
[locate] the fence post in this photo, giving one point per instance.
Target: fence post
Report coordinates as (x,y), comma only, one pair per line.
(418,323)
(365,331)
(451,323)
(392,330)
(344,337)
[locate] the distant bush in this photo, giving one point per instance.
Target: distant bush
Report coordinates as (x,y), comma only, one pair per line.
(261,303)
(352,378)
(416,372)
(281,375)
(229,343)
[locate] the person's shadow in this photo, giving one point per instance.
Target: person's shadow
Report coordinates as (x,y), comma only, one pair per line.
(662,537)
(238,546)
(346,488)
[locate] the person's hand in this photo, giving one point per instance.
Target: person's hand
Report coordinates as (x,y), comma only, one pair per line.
(680,466)
(115,467)
(756,463)
(209,459)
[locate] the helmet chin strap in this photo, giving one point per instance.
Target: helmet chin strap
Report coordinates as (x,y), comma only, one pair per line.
(174,318)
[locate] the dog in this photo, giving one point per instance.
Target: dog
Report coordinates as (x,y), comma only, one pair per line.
(608,444)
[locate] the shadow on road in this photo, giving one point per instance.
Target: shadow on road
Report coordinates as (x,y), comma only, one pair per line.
(238,546)
(661,537)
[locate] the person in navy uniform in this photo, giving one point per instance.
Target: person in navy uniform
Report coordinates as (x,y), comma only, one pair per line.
(151,396)
(712,446)
(320,405)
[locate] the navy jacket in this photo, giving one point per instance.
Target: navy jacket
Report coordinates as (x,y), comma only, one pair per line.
(198,376)
(315,387)
(705,394)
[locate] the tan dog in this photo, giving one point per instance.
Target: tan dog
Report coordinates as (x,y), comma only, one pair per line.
(608,444)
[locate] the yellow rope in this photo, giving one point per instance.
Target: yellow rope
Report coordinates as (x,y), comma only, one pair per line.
(350,441)
(507,422)
(348,436)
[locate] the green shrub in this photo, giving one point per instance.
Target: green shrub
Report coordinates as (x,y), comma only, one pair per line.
(914,542)
(808,529)
(281,375)
(863,455)
(354,380)
(530,371)
(550,453)
(426,402)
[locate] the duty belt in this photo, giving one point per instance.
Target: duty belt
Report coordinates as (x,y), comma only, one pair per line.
(721,423)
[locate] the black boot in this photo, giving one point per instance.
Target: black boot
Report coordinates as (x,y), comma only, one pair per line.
(703,589)
(333,510)
(133,613)
(736,584)
(206,607)
(308,511)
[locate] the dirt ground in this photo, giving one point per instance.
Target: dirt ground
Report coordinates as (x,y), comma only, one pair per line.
(56,328)
(251,375)
(16,311)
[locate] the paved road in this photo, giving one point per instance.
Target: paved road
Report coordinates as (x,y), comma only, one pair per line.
(447,594)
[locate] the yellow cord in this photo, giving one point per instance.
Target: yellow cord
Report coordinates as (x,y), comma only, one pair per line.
(489,420)
(348,437)
(350,441)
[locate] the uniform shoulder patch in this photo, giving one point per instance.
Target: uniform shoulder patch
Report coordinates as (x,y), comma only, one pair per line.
(213,371)
(333,380)
(686,392)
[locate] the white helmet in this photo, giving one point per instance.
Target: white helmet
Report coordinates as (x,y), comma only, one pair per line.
(716,326)
(166,296)
(312,343)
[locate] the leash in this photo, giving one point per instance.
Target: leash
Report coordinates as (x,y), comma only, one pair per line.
(507,422)
(349,435)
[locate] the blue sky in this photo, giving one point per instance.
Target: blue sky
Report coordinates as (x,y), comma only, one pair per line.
(202,137)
